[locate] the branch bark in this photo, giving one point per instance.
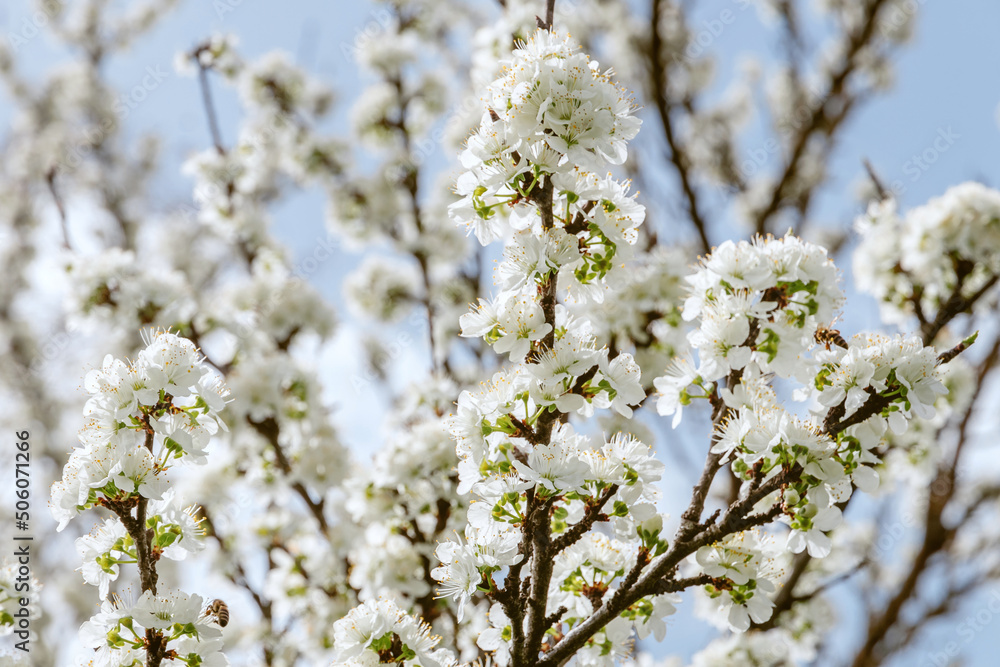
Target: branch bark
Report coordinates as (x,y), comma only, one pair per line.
(675,154)
(817,122)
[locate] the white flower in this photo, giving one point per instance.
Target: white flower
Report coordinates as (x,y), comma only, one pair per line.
(207,649)
(114,389)
(759,608)
(522,322)
(167,608)
(183,524)
(553,468)
(365,630)
(480,321)
(171,363)
(907,259)
(70,492)
(673,386)
(458,573)
(99,555)
(745,560)
(623,374)
(663,606)
(94,632)
(492,638)
(852,377)
(814,538)
(721,342)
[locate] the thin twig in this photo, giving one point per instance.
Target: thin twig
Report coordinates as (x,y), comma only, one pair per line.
(269,429)
(50,179)
(206,98)
(820,121)
(883,192)
(550,14)
(675,154)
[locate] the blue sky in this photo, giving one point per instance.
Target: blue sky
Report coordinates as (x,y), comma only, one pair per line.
(935,128)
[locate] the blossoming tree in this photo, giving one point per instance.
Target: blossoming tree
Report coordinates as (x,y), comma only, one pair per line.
(524,506)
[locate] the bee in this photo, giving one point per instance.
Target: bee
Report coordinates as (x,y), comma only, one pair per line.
(827,336)
(220,610)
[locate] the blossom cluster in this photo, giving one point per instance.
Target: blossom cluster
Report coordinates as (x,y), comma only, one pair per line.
(761,301)
(554,122)
(914,263)
(143,419)
(552,115)
(378,631)
(233,186)
(760,310)
(119,632)
(743,568)
(177,533)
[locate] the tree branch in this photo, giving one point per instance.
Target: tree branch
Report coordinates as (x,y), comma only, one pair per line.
(268,428)
(206,98)
(736,519)
(818,121)
(675,154)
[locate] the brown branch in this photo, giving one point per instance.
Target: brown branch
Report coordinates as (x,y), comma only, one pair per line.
(411,181)
(819,121)
(678,585)
(647,584)
(961,347)
(554,617)
(145,556)
(50,179)
(737,518)
(550,12)
(945,605)
(269,429)
(675,154)
(592,515)
(240,579)
(692,515)
(883,192)
(206,98)
(542,564)
(935,538)
(954,306)
(512,593)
